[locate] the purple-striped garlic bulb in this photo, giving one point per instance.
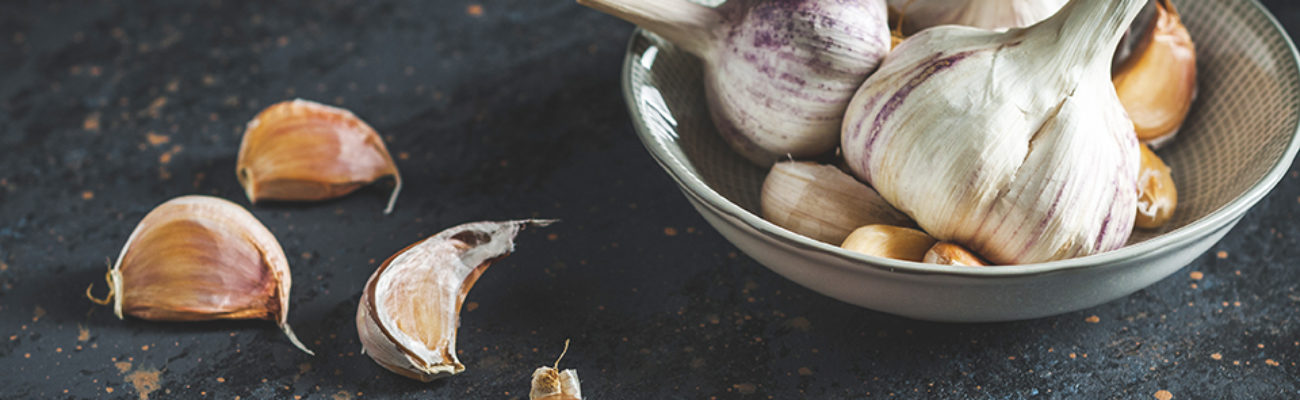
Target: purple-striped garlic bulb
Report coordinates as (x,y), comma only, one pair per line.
(1013,144)
(987,14)
(778,74)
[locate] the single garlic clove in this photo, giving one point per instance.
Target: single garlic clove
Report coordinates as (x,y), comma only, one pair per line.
(986,14)
(890,242)
(1011,143)
(822,202)
(777,74)
(196,258)
(1157,196)
(410,307)
(947,253)
(306,151)
(1157,84)
(549,383)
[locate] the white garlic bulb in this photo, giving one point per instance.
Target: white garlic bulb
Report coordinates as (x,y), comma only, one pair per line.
(987,14)
(777,74)
(1012,144)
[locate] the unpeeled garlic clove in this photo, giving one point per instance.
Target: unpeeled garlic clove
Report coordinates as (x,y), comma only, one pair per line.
(1157,84)
(1157,196)
(777,74)
(196,258)
(306,151)
(947,253)
(890,242)
(410,307)
(549,383)
(822,202)
(986,14)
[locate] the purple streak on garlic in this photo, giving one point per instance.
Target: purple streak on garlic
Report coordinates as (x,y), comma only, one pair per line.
(986,14)
(1013,144)
(778,74)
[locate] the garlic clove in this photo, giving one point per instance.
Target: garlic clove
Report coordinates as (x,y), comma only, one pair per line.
(778,74)
(410,307)
(1157,84)
(306,151)
(986,14)
(822,202)
(197,258)
(889,242)
(946,253)
(549,383)
(1013,143)
(1157,196)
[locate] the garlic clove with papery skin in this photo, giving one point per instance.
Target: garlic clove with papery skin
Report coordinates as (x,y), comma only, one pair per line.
(777,74)
(199,258)
(1157,195)
(306,151)
(822,202)
(410,307)
(1012,144)
(1157,84)
(550,383)
(986,14)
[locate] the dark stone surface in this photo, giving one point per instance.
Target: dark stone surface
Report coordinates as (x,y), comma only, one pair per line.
(512,112)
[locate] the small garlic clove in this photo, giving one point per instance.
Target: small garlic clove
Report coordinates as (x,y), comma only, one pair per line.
(1157,84)
(549,383)
(947,253)
(822,202)
(197,258)
(890,242)
(1157,195)
(410,307)
(306,151)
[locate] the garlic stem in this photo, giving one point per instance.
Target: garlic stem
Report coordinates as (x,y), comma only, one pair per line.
(684,23)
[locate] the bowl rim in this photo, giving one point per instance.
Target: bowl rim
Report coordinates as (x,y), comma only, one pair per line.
(692,185)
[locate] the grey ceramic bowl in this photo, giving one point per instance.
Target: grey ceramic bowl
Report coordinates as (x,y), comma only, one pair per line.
(1238,142)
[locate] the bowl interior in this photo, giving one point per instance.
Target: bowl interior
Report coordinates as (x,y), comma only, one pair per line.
(1235,145)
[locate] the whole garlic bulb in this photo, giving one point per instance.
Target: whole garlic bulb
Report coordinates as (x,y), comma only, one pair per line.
(1013,144)
(987,14)
(777,74)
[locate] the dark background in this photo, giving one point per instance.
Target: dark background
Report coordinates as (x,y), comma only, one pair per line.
(500,109)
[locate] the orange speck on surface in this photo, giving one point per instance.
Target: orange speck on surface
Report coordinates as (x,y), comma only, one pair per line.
(282,41)
(403,156)
(1236,363)
(27,355)
(1196,275)
(552,237)
(670,231)
(805,371)
(144,348)
(1072,355)
(109,389)
(145,381)
(471,306)
(1222,254)
(91,123)
(1163,395)
(87,195)
(156,139)
(122,366)
(58,349)
(38,313)
(1272,363)
(1216,356)
(474,10)
(1092,319)
(221,379)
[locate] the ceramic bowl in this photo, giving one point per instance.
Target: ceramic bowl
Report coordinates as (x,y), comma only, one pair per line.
(1237,143)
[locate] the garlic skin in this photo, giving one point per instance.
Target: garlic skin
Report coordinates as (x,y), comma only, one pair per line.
(889,242)
(945,253)
(301,150)
(1157,83)
(1013,144)
(1157,195)
(198,258)
(550,383)
(822,202)
(778,74)
(986,14)
(410,307)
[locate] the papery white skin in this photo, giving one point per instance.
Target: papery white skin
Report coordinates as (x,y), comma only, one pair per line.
(778,74)
(987,14)
(1012,144)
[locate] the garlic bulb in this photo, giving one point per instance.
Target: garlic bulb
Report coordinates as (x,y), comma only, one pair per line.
(410,307)
(1157,84)
(987,14)
(822,202)
(1013,144)
(549,383)
(778,74)
(198,258)
(306,151)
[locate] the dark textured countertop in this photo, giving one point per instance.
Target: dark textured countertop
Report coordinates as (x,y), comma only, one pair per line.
(497,110)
